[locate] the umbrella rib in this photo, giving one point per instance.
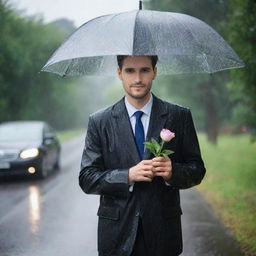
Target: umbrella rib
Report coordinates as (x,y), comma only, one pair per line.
(67,68)
(198,43)
(134,29)
(205,60)
(187,30)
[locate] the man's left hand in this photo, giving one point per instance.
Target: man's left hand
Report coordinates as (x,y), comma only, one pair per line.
(162,166)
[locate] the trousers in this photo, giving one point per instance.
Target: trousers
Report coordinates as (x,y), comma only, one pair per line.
(139,248)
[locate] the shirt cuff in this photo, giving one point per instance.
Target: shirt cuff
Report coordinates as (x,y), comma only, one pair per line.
(131,187)
(166,183)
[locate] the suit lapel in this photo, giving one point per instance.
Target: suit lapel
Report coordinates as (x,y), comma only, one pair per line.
(124,133)
(158,118)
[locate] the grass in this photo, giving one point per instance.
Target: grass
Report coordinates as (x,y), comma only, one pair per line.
(230,185)
(69,134)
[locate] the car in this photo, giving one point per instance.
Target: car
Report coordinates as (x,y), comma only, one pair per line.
(28,148)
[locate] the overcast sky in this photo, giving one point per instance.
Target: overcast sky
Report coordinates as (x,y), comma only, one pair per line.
(79,11)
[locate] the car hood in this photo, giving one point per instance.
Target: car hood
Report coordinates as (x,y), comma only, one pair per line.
(19,145)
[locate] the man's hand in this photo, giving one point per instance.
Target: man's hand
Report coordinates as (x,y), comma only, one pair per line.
(162,166)
(141,172)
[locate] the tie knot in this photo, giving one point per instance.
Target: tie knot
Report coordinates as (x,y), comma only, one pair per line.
(138,114)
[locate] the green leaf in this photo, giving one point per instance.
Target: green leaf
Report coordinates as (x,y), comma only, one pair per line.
(167,152)
(155,154)
(149,146)
(156,146)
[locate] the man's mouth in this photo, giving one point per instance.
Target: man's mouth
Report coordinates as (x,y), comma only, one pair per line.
(137,86)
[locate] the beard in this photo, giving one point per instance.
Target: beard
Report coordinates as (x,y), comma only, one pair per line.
(140,95)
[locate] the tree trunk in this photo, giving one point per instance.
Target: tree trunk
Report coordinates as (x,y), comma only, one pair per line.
(211,117)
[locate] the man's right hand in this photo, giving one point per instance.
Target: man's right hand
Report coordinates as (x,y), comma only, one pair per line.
(141,172)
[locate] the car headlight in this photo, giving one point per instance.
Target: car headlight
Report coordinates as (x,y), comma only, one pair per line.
(29,153)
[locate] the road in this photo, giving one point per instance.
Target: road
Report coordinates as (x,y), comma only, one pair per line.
(53,217)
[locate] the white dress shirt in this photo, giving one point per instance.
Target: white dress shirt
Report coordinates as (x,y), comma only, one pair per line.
(144,118)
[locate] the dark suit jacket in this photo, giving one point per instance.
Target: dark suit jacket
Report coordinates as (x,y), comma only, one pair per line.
(110,151)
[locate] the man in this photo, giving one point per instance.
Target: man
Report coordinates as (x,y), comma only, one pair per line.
(139,212)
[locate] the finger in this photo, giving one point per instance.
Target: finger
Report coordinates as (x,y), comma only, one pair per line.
(146,162)
(157,163)
(148,173)
(147,168)
(158,169)
(162,174)
(161,169)
(161,159)
(146,179)
(160,164)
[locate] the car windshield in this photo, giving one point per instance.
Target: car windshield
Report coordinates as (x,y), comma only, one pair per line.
(20,132)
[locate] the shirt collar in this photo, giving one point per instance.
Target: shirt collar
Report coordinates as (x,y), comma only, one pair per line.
(146,108)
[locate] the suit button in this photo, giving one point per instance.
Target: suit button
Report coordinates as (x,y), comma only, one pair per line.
(137,214)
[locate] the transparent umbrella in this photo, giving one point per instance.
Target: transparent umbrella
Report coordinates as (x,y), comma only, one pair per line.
(184,44)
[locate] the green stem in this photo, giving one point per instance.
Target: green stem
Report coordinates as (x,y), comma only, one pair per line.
(161,147)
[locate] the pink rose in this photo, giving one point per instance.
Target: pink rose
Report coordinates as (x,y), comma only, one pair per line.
(157,149)
(166,135)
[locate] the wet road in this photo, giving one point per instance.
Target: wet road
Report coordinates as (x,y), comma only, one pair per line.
(203,233)
(53,217)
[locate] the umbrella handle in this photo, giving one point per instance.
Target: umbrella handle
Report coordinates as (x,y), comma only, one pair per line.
(140,5)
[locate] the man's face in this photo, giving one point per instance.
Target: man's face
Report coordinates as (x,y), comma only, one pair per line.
(137,75)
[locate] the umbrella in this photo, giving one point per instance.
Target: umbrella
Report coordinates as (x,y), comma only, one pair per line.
(184,44)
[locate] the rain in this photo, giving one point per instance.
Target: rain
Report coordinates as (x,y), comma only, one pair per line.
(53,76)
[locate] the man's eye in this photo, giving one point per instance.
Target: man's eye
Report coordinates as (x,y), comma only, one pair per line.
(145,70)
(129,70)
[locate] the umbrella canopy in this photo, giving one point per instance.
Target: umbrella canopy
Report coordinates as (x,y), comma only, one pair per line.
(184,44)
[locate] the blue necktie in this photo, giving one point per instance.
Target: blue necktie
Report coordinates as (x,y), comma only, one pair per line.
(139,133)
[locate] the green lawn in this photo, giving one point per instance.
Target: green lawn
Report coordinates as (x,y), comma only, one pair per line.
(66,135)
(230,185)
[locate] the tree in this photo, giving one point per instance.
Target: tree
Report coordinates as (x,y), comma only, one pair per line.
(241,30)
(207,92)
(25,46)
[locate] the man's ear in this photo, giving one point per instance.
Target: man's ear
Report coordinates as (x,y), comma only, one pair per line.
(155,72)
(119,72)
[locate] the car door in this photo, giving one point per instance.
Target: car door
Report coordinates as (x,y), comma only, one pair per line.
(48,147)
(52,145)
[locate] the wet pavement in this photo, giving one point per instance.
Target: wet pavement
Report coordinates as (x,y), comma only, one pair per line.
(203,233)
(53,217)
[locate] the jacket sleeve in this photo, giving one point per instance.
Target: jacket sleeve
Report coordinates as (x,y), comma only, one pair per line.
(93,177)
(190,171)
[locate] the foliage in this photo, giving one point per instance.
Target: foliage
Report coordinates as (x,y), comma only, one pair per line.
(25,46)
(241,30)
(208,96)
(229,185)
(157,149)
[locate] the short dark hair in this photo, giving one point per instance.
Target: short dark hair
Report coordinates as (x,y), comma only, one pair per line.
(120,60)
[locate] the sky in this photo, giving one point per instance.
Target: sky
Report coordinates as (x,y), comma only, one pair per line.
(79,11)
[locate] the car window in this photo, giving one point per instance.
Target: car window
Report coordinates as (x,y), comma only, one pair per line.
(46,129)
(20,132)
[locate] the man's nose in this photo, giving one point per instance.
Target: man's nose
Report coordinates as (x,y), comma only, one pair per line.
(137,78)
